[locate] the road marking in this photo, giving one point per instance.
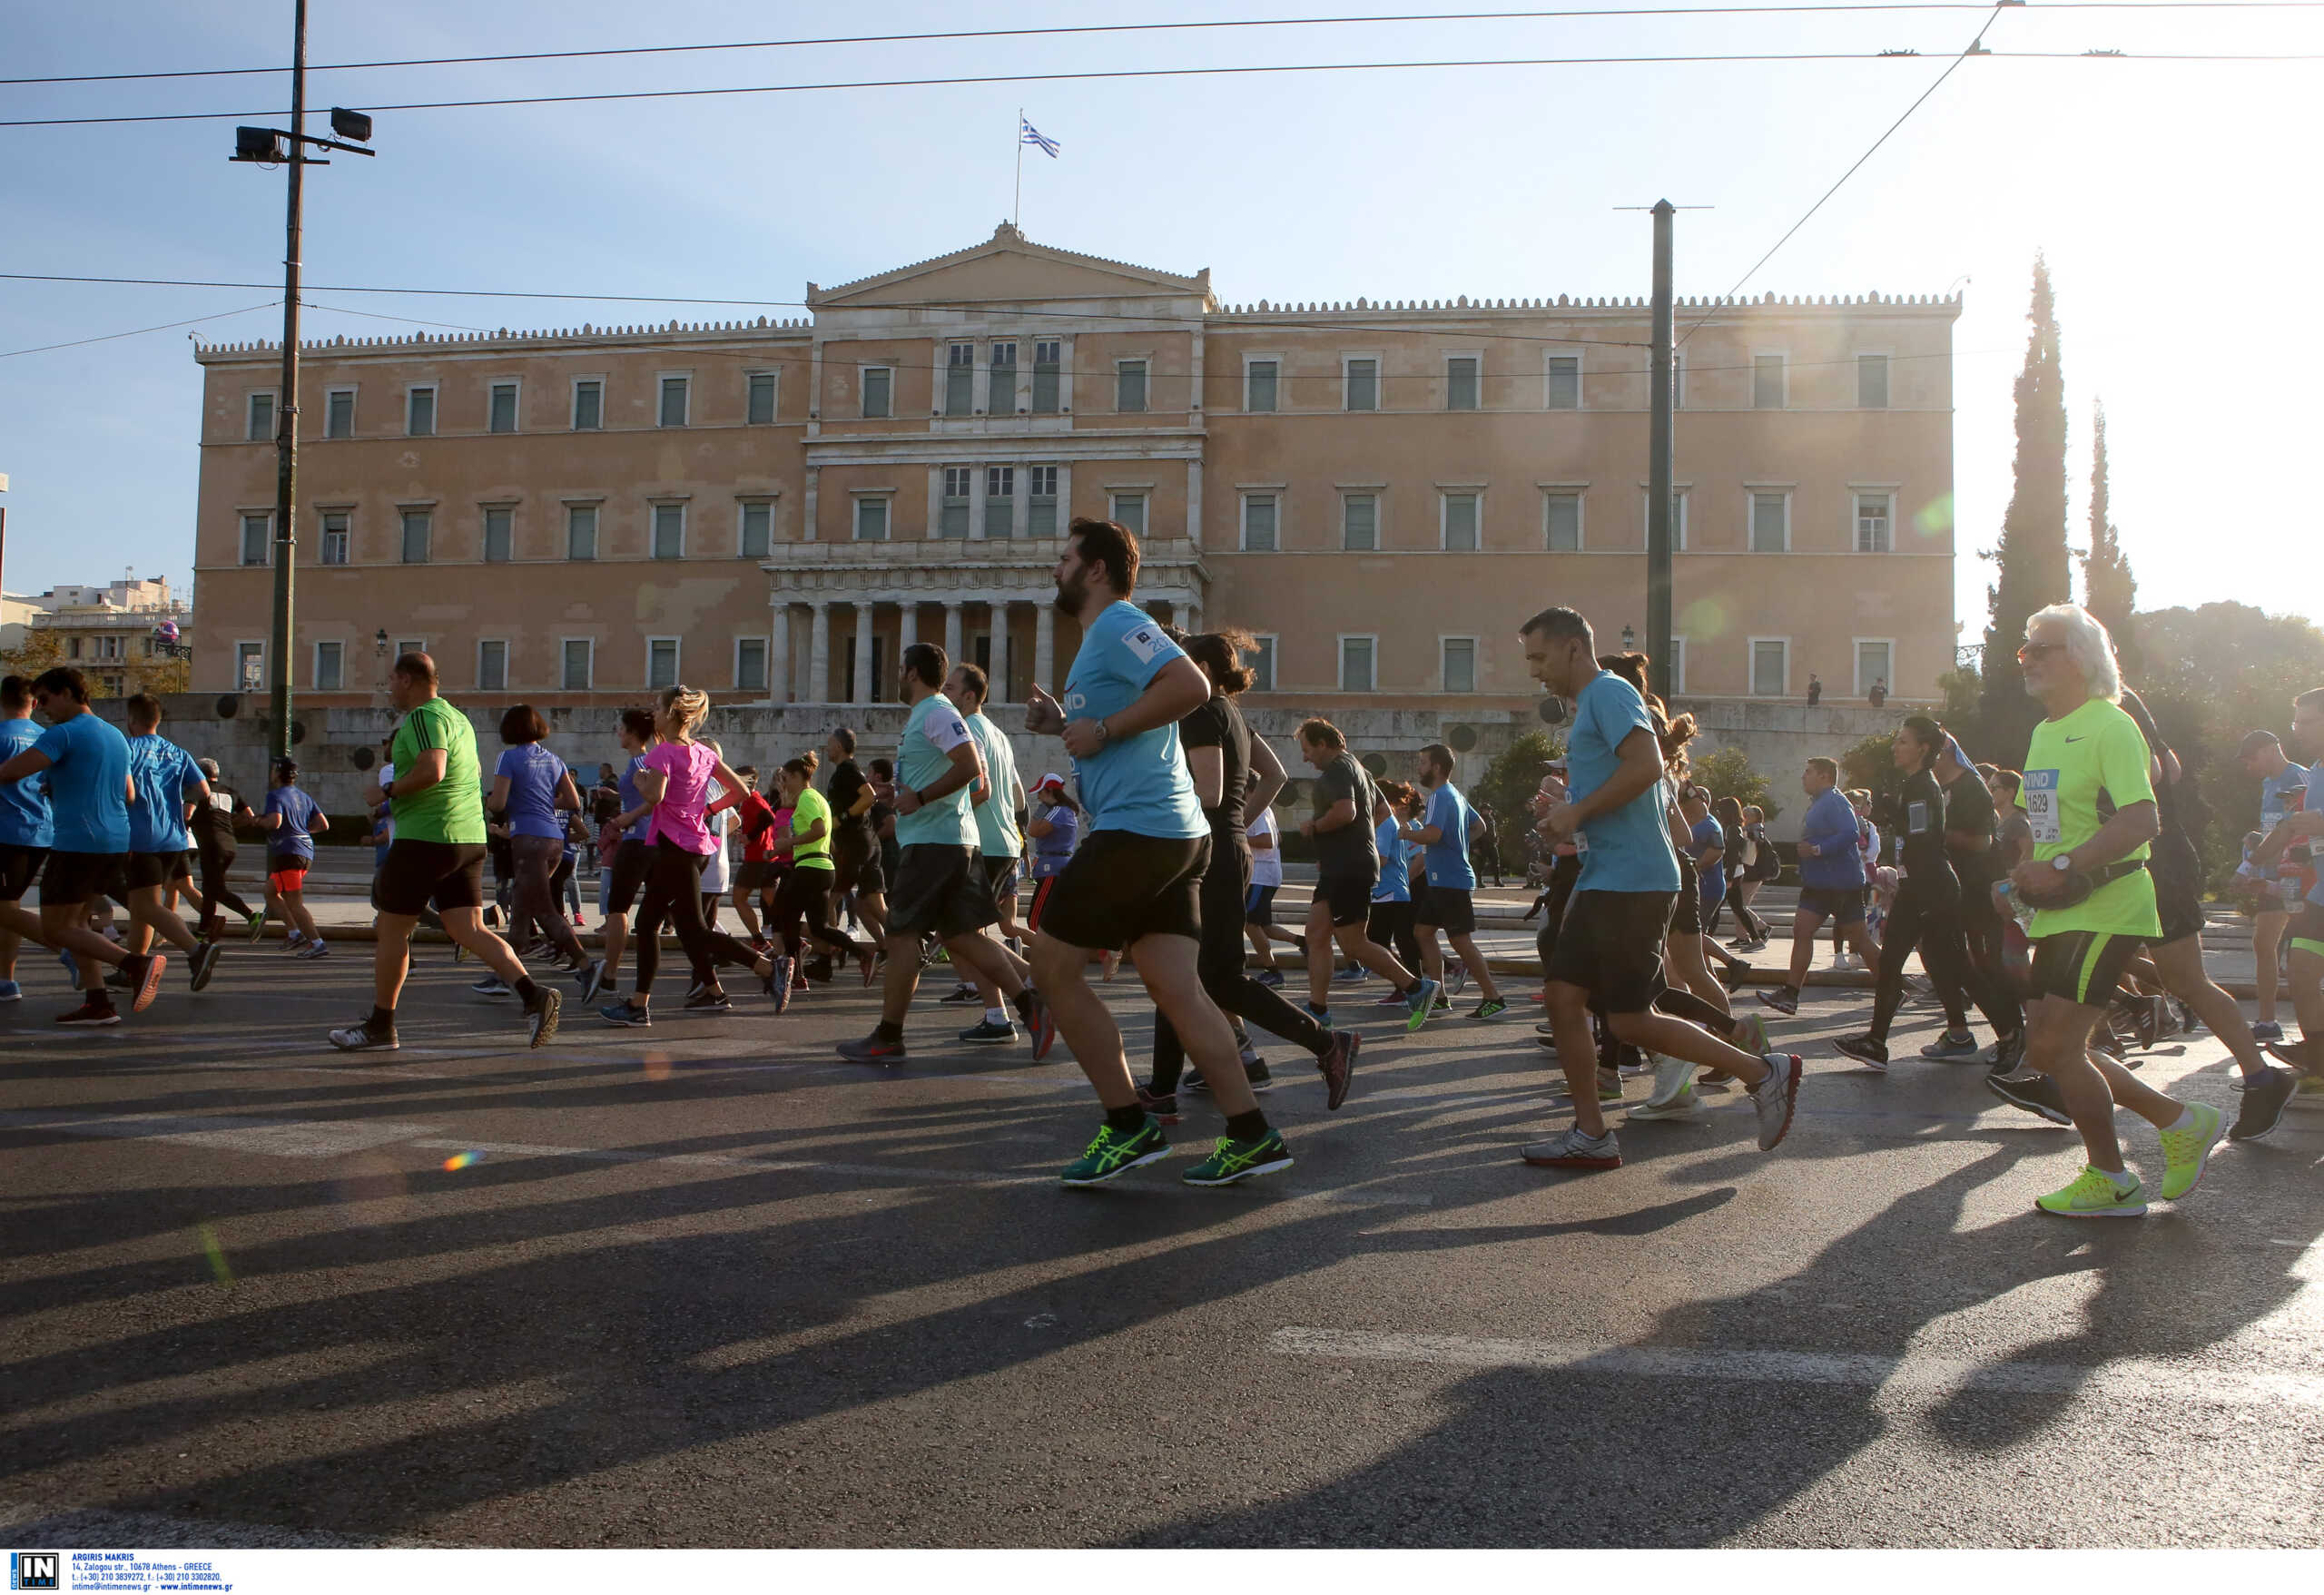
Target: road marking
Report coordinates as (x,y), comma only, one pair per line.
(1914,1376)
(271,1138)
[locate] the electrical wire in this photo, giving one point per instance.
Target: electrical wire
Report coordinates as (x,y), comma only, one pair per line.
(136,332)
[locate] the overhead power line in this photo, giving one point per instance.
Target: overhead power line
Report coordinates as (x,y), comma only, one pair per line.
(137,331)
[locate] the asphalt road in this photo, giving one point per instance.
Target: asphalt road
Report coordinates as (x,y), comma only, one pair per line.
(705,1284)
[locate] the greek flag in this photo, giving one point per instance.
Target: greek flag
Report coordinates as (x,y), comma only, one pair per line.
(1029,134)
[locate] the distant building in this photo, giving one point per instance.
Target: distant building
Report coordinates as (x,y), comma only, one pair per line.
(17,611)
(127,636)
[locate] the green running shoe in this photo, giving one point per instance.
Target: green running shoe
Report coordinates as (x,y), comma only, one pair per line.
(1113,1153)
(1232,1161)
(2185,1151)
(2092,1195)
(1491,1008)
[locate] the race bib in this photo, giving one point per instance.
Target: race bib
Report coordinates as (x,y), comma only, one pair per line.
(2041,795)
(1916,819)
(1581,842)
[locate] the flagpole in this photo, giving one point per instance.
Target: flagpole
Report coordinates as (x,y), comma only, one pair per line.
(1017,210)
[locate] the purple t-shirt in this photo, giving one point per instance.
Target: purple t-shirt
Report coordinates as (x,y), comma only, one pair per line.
(678,816)
(533,773)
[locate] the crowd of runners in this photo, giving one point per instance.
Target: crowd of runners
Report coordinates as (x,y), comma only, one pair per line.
(2061,903)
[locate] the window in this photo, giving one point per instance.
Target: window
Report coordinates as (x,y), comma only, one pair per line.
(588,405)
(250,666)
(878,392)
(72,647)
(952,511)
(499,533)
(1770,523)
(749,665)
(1678,392)
(1260,380)
(1677,665)
(872,520)
(492,667)
(1874,660)
(758,530)
(420,412)
(1130,509)
(335,537)
(503,408)
(1872,381)
(959,379)
(1040,504)
(338,412)
(1770,667)
(1679,497)
(1259,523)
(409,645)
(1263,663)
(661,663)
(674,400)
(669,531)
(1461,521)
(1459,664)
(1565,382)
(1129,387)
(258,539)
(759,400)
(1000,387)
(330,662)
(580,531)
(1766,381)
(1046,368)
(1461,382)
(260,425)
(1874,517)
(1360,382)
(1000,501)
(1561,522)
(1360,522)
(1355,663)
(579,664)
(418,525)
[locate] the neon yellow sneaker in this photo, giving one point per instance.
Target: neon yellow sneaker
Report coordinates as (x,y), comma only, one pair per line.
(2092,1195)
(2185,1151)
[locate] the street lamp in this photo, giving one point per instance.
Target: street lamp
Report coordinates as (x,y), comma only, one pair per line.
(379,644)
(1629,640)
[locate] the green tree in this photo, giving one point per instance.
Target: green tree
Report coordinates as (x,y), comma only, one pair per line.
(42,650)
(1506,787)
(1727,772)
(1871,763)
(2109,590)
(2031,564)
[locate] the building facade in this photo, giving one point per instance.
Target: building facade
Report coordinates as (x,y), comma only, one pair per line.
(1381,493)
(128,636)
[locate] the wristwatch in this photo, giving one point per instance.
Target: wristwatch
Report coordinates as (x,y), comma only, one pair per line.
(1105,734)
(2063,864)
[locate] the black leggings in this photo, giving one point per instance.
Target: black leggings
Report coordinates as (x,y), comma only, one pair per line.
(1389,924)
(1931,919)
(807,894)
(1224,885)
(674,898)
(215,863)
(537,860)
(1980,932)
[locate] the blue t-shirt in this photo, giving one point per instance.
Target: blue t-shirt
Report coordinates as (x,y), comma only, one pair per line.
(1627,849)
(1711,878)
(1831,826)
(1052,852)
(292,840)
(1394,884)
(23,805)
(533,773)
(1448,857)
(163,773)
(1134,783)
(632,798)
(88,785)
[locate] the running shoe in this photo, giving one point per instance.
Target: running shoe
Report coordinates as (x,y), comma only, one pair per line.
(867,962)
(2093,1195)
(2267,1030)
(1338,1066)
(2006,1054)
(817,969)
(1390,999)
(204,963)
(1751,1034)
(1866,1052)
(1674,1077)
(145,977)
(491,985)
(2190,1023)
(1231,1162)
(987,1032)
(2296,1053)
(1255,1074)
(117,979)
(709,1000)
(1572,1149)
(2104,1040)
(1730,976)
(315,948)
(361,1038)
(294,943)
(1491,1008)
(960,994)
(777,984)
(256,923)
(540,1015)
(1784,1000)
(1456,977)
(2036,1093)
(1163,1106)
(1716,1079)
(1273,980)
(1322,1016)
(627,1014)
(1681,1105)
(96,1009)
(1953,1047)
(1113,1154)
(592,981)
(2185,1150)
(2145,1014)
(10,992)
(1351,975)
(1774,1098)
(1547,1030)
(1040,1024)
(2264,1097)
(1421,1001)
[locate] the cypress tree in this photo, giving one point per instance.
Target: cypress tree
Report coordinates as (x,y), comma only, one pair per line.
(2109,590)
(2033,570)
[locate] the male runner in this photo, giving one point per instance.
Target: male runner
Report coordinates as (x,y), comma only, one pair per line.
(166,780)
(2283,790)
(1609,943)
(858,860)
(87,766)
(1347,866)
(25,832)
(212,827)
(435,859)
(1971,824)
(1831,881)
(999,844)
(289,820)
(2305,824)
(1449,904)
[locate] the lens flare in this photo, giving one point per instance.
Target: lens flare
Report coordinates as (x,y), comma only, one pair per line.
(210,1250)
(459,1160)
(657,1067)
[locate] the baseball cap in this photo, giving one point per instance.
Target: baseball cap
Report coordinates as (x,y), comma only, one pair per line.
(1050,779)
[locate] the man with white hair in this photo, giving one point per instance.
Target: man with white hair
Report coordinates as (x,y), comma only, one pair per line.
(2090,803)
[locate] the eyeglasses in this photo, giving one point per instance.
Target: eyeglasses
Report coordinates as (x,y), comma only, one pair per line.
(2032,651)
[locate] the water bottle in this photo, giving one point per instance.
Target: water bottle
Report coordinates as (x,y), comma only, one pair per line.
(2020,910)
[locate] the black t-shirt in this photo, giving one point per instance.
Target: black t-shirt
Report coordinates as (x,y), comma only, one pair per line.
(847,786)
(1920,840)
(2166,791)
(1218,723)
(212,827)
(1350,849)
(1969,807)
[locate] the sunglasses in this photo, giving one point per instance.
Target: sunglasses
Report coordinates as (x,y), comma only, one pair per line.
(2032,651)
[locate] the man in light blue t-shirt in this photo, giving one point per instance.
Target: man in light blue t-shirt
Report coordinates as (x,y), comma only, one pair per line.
(165,780)
(1000,845)
(1608,953)
(25,832)
(2304,825)
(1450,904)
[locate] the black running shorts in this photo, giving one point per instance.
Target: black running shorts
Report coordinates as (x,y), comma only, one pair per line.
(1120,887)
(445,875)
(1449,908)
(2307,927)
(144,869)
(19,868)
(1348,896)
(632,858)
(70,877)
(855,856)
(2083,966)
(749,876)
(1842,904)
(939,887)
(1610,944)
(1258,906)
(1001,879)
(1687,916)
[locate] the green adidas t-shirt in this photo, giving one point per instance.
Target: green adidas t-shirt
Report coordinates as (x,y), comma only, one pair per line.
(2091,757)
(809,808)
(451,811)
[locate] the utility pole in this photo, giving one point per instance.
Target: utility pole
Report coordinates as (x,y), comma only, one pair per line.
(1659,464)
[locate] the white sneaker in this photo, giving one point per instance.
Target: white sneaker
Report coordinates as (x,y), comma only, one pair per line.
(1682,1105)
(1673,1080)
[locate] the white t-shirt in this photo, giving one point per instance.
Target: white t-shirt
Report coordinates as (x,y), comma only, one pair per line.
(388,823)
(713,868)
(1267,864)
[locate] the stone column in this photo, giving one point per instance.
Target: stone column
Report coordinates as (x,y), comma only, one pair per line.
(1192,610)
(1045,647)
(998,650)
(953,630)
(778,655)
(819,654)
(907,633)
(864,652)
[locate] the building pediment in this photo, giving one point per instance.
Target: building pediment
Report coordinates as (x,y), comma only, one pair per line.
(1008,269)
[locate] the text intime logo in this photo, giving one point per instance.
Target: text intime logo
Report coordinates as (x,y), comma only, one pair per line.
(34,1569)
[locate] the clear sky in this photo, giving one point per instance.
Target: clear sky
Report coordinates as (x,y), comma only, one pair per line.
(2173,200)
